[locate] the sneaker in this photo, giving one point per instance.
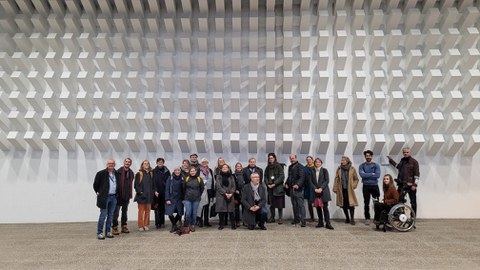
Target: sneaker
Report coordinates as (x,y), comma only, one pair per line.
(146,228)
(115,230)
(100,236)
(367,222)
(109,235)
(141,229)
(125,229)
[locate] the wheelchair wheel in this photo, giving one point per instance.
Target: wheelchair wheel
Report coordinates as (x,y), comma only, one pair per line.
(401,217)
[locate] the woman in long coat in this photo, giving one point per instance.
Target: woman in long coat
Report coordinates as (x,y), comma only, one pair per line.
(346,181)
(145,188)
(174,197)
(319,180)
(225,188)
(274,178)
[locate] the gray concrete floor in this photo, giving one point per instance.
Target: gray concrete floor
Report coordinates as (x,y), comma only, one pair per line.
(435,244)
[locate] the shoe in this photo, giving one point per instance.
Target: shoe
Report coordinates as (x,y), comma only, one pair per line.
(141,229)
(109,235)
(173,229)
(319,225)
(192,228)
(367,222)
(280,221)
(329,226)
(100,236)
(220,227)
(115,231)
(303,224)
(352,222)
(251,227)
(263,228)
(207,225)
(347,220)
(146,228)
(271,220)
(125,229)
(293,222)
(234,227)
(162,226)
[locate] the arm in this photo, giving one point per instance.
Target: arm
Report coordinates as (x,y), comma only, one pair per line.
(279,176)
(355,178)
(336,182)
(219,188)
(416,173)
(301,176)
(96,183)
(326,178)
(167,189)
(202,185)
(245,202)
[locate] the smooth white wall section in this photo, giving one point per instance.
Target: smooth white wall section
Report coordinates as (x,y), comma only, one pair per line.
(84,83)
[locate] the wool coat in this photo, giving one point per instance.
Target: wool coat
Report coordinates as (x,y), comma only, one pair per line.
(101,186)
(174,194)
(248,200)
(145,188)
(352,185)
(222,204)
(125,181)
(321,182)
(274,174)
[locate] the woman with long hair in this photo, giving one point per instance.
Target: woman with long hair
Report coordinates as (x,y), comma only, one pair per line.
(274,178)
(144,187)
(319,181)
(346,181)
(390,197)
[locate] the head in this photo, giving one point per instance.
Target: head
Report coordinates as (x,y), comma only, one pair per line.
(309,160)
(368,154)
(220,162)
(406,152)
(272,158)
(204,162)
(192,171)
(145,165)
(225,168)
(255,178)
(345,160)
(160,162)
(110,165)
(293,158)
(252,162)
(127,163)
(185,164)
(193,158)
(387,182)
(177,171)
(318,162)
(238,167)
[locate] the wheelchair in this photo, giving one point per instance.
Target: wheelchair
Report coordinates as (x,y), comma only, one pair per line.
(400,217)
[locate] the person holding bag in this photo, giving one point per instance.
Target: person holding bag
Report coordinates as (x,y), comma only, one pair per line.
(321,193)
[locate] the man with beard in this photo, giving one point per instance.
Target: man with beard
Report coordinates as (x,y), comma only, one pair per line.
(123,198)
(295,184)
(369,172)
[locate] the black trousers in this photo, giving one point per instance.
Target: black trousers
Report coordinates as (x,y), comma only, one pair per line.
(124,206)
(325,215)
(412,194)
(368,191)
(159,211)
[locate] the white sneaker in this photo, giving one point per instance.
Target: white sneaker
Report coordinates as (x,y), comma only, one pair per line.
(146,228)
(367,222)
(141,229)
(100,236)
(109,235)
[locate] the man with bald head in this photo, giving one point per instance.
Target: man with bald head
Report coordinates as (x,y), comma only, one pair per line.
(106,189)
(295,184)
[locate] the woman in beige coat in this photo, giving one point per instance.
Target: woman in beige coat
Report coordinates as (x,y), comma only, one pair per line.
(346,181)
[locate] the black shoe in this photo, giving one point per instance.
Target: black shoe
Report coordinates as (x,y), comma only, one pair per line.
(251,227)
(303,224)
(347,220)
(173,229)
(220,227)
(319,225)
(234,227)
(263,228)
(271,220)
(294,222)
(329,226)
(207,225)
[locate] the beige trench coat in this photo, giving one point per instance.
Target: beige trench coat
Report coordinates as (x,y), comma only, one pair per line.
(352,185)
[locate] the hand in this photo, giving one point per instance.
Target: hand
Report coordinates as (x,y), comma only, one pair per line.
(236,191)
(271,186)
(295,186)
(414,188)
(318,190)
(286,186)
(168,202)
(156,194)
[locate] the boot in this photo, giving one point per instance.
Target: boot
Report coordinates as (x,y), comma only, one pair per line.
(115,230)
(320,218)
(125,229)
(352,216)
(328,226)
(347,217)
(199,222)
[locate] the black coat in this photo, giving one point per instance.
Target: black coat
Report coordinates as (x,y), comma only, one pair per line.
(296,176)
(160,176)
(248,200)
(145,189)
(247,172)
(125,181)
(101,186)
(321,182)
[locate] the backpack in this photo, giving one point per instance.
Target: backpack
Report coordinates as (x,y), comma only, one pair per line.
(198,179)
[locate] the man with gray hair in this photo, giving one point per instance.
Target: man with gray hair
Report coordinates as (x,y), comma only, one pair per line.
(295,184)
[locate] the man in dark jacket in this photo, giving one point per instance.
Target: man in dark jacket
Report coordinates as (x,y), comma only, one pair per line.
(254,202)
(106,188)
(408,177)
(160,176)
(295,183)
(251,168)
(123,197)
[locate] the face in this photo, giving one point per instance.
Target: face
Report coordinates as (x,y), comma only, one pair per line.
(252,162)
(344,161)
(146,165)
(224,168)
(185,164)
(111,165)
(176,171)
(271,159)
(238,167)
(368,157)
(193,171)
(318,163)
(406,152)
(255,179)
(205,163)
(221,161)
(126,163)
(293,158)
(193,159)
(309,160)
(160,163)
(386,180)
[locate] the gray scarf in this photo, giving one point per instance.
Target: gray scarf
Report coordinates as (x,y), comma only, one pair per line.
(256,195)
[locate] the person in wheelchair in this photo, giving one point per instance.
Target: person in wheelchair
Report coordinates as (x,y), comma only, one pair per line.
(390,198)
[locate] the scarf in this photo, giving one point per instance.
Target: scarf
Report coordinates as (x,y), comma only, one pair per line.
(256,195)
(225,177)
(205,170)
(345,169)
(310,165)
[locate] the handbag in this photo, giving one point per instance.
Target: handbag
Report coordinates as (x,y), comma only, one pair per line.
(213,213)
(317,202)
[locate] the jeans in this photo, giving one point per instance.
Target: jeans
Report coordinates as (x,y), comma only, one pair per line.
(191,212)
(124,205)
(298,206)
(368,191)
(108,214)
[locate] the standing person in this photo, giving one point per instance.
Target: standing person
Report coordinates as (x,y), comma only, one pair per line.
(254,203)
(251,168)
(274,177)
(390,197)
(218,168)
(346,181)
(193,162)
(125,182)
(225,188)
(319,181)
(239,183)
(174,198)
(369,172)
(106,188)
(185,168)
(308,191)
(208,194)
(193,188)
(145,189)
(295,183)
(408,177)
(160,176)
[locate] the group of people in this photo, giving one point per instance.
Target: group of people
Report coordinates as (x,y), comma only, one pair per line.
(197,192)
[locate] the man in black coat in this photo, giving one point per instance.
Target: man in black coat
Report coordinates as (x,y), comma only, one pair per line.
(124,181)
(106,188)
(251,168)
(254,201)
(160,176)
(295,184)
